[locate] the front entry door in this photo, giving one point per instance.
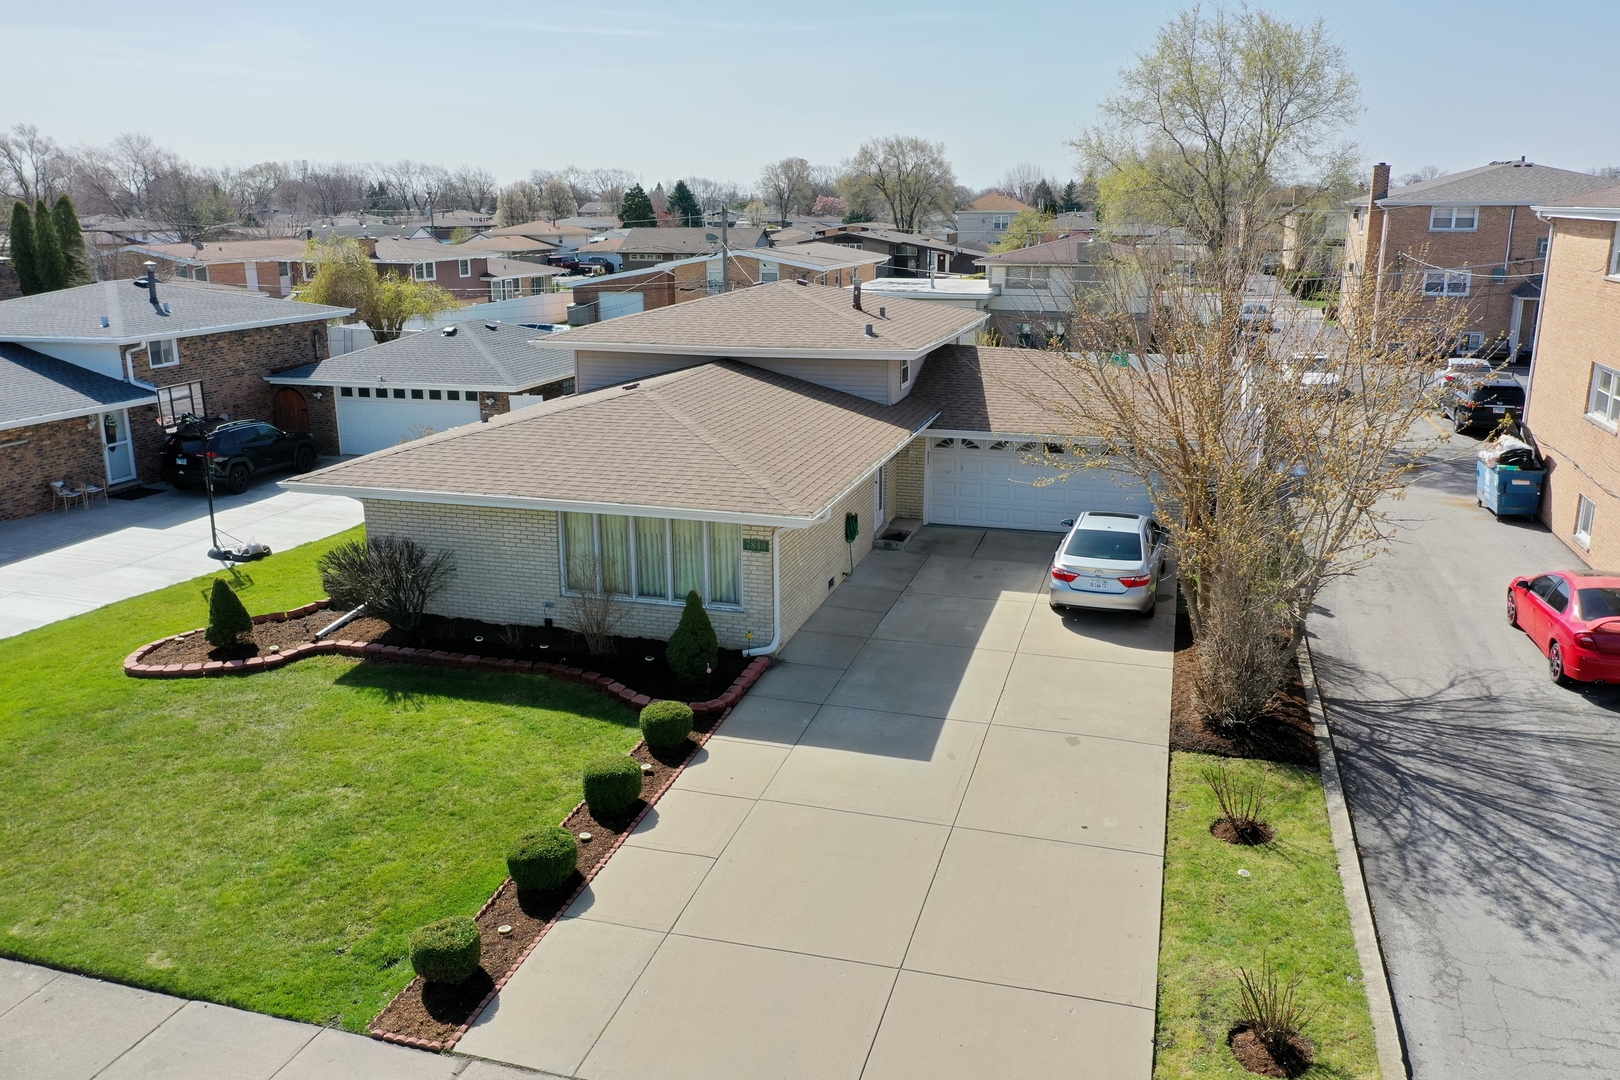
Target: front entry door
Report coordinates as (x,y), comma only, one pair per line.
(120,449)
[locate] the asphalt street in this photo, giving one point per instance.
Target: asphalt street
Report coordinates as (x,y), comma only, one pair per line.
(1486,799)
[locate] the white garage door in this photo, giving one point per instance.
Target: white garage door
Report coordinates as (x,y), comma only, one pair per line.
(366,424)
(991,483)
(625,303)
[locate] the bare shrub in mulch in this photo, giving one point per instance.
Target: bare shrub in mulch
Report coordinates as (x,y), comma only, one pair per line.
(1242,800)
(1282,733)
(1268,1039)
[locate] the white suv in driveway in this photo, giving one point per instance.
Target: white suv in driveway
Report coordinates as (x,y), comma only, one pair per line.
(1111,561)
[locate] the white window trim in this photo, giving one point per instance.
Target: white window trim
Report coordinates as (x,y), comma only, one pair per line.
(425,271)
(669,565)
(464,268)
(1605,417)
(1585,514)
(174,345)
(1452,211)
(1446,279)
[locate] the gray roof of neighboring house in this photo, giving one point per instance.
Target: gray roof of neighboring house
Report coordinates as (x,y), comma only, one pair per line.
(1069,251)
(228,251)
(193,308)
(35,389)
(823,255)
(977,388)
(722,439)
(1501,183)
(684,241)
(390,250)
(1601,199)
(895,236)
(485,356)
(785,319)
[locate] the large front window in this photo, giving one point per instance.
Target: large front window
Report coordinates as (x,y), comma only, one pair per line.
(652,558)
(425,271)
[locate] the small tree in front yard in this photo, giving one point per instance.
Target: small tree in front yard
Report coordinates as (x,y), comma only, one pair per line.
(693,647)
(345,276)
(228,620)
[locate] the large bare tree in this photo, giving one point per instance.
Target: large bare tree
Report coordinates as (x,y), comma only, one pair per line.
(1020,182)
(32,166)
(909,176)
(788,186)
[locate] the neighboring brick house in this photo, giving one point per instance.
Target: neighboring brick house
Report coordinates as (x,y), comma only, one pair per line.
(1573,413)
(423,383)
(116,361)
(1468,236)
(471,274)
(640,248)
(985,220)
(668,283)
(725,445)
(268,266)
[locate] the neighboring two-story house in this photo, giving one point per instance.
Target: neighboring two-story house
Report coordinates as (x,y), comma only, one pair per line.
(1468,236)
(89,376)
(1033,306)
(275,267)
(1573,413)
(985,220)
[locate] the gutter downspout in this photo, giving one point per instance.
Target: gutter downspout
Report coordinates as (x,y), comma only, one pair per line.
(1535,345)
(1378,276)
(776,599)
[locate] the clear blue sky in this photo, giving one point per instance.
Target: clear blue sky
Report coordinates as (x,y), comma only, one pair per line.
(718,88)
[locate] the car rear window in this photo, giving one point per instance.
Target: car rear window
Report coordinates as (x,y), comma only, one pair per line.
(1599,603)
(1104,544)
(1499,395)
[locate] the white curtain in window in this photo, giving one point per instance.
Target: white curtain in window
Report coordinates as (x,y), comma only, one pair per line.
(688,537)
(652,568)
(616,554)
(725,557)
(579,547)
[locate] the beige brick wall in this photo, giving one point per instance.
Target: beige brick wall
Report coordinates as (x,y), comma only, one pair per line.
(1580,327)
(508,568)
(905,480)
(812,557)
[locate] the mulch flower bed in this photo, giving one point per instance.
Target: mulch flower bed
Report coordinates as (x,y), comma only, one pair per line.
(433,1016)
(1253,1055)
(1284,732)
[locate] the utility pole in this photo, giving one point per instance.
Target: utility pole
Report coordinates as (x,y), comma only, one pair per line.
(725,249)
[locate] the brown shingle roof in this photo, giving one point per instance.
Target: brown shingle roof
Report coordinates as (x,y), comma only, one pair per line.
(779,320)
(1068,251)
(228,251)
(722,438)
(978,388)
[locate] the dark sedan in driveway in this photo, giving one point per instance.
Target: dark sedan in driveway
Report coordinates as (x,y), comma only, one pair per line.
(240,450)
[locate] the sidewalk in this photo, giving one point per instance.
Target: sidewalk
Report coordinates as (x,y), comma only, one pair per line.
(56,1026)
(54,566)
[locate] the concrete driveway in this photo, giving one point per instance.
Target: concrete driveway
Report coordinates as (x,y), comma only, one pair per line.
(53,566)
(1486,799)
(929,843)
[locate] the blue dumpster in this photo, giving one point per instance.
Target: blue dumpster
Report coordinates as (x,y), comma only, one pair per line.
(1506,490)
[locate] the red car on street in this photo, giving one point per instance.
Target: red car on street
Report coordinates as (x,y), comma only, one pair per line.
(1573,616)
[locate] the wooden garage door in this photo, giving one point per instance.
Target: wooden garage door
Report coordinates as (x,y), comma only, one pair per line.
(992,483)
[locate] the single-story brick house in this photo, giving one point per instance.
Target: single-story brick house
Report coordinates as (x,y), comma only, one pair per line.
(90,375)
(423,383)
(722,445)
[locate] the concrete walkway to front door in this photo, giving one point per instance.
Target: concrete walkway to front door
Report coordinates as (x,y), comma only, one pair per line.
(929,843)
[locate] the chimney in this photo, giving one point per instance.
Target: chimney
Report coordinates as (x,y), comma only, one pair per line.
(151,281)
(1380,181)
(858,296)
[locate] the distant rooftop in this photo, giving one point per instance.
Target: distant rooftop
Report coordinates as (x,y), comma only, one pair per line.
(1501,183)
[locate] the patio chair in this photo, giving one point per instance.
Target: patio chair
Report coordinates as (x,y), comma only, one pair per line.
(89,491)
(64,493)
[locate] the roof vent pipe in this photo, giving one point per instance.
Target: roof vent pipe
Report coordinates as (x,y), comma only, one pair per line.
(883,313)
(871,330)
(151,281)
(858,296)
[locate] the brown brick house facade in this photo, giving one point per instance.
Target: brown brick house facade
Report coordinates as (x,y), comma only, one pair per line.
(1571,414)
(34,456)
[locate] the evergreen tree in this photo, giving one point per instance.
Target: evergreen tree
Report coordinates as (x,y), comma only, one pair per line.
(636,211)
(71,238)
(693,647)
(49,265)
(1069,201)
(1043,198)
(228,620)
(22,249)
(684,205)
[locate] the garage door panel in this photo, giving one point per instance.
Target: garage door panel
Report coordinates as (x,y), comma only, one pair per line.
(997,489)
(366,425)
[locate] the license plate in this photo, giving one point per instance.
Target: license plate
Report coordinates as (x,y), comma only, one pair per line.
(1499,408)
(1094,584)
(179,461)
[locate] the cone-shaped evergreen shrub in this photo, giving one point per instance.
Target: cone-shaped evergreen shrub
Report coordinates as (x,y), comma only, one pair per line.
(71,237)
(22,248)
(228,620)
(48,262)
(612,784)
(543,860)
(447,951)
(666,724)
(693,648)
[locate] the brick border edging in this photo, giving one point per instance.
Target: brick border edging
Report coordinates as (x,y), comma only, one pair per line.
(1387,1037)
(136,667)
(441,1046)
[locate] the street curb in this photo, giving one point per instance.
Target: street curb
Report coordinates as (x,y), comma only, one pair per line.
(1374,975)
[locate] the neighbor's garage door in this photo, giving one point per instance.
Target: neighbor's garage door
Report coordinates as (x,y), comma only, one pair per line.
(991,483)
(366,424)
(616,304)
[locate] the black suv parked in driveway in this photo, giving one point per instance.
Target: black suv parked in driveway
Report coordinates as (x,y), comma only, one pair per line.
(1483,406)
(242,449)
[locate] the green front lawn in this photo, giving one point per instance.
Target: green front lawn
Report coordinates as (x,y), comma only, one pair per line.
(269,841)
(1291,908)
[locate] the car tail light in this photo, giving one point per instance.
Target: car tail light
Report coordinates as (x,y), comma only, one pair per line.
(1063,575)
(1135,582)
(1585,641)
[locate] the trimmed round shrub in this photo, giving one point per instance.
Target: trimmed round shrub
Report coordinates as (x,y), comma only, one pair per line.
(612,784)
(447,951)
(543,860)
(666,724)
